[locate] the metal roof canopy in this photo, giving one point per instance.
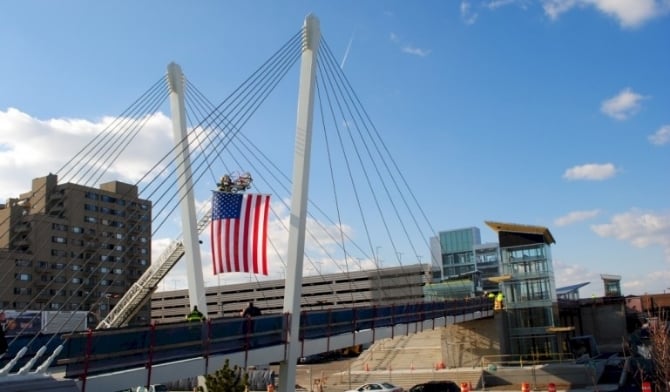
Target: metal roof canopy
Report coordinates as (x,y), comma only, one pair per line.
(518,228)
(568,289)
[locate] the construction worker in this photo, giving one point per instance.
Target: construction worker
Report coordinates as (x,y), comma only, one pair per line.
(195,315)
(250,311)
(499,301)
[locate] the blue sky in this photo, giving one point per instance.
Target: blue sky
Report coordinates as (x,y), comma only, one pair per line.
(552,113)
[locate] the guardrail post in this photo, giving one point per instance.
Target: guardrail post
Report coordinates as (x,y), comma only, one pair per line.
(301,332)
(208,340)
(374,318)
(329,326)
(89,347)
(392,321)
(152,343)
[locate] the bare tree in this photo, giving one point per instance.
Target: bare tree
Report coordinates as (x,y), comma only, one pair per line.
(659,349)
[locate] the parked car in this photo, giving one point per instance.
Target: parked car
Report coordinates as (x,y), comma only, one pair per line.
(381,386)
(314,358)
(436,386)
(153,388)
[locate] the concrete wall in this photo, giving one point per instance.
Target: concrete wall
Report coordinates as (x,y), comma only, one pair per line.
(465,344)
(606,322)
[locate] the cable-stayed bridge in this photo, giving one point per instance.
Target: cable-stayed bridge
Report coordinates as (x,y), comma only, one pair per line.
(370,202)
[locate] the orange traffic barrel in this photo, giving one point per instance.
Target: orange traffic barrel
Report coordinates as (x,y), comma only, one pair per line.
(465,387)
(551,387)
(525,387)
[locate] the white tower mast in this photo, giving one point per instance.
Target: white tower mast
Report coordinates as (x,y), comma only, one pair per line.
(196,286)
(296,237)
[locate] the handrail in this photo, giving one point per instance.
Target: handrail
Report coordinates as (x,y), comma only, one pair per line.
(130,347)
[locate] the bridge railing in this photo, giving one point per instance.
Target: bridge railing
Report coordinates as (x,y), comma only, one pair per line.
(103,351)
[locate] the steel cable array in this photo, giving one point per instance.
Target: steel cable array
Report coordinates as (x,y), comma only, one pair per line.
(217,140)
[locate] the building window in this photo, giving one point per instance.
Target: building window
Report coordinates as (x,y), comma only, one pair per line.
(90,219)
(59,227)
(91,195)
(58,252)
(23,263)
(59,240)
(23,277)
(22,290)
(90,207)
(108,199)
(76,280)
(77,229)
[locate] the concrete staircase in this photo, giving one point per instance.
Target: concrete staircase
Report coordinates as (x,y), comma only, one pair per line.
(404,361)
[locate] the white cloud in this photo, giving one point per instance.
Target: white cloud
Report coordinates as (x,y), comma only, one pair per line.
(554,8)
(623,105)
(409,49)
(576,216)
(629,13)
(467,14)
(660,137)
(416,51)
(570,274)
(652,283)
(590,171)
(33,148)
(495,4)
(641,229)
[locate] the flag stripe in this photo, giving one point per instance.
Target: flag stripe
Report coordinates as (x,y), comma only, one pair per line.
(239,232)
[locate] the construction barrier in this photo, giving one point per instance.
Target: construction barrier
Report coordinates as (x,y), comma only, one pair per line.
(525,387)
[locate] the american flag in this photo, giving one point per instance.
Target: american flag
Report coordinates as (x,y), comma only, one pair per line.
(239,232)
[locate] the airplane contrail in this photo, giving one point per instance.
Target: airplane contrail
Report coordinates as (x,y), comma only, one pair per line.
(346,52)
